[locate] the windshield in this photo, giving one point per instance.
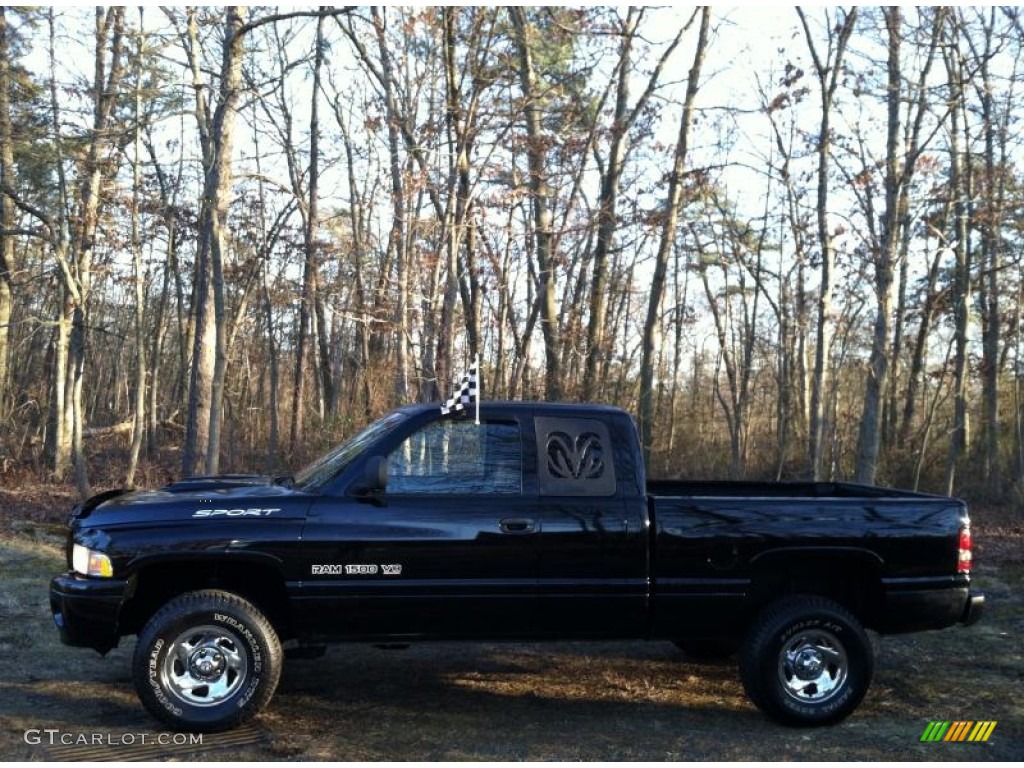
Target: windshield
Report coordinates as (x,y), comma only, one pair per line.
(317,474)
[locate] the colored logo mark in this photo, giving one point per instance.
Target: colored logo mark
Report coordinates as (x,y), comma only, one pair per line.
(958,730)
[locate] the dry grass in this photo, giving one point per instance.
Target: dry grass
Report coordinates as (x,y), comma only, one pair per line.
(561,701)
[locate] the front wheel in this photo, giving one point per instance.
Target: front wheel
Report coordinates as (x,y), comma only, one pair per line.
(207,661)
(806,661)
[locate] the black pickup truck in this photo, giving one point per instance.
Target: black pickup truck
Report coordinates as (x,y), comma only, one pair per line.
(537,523)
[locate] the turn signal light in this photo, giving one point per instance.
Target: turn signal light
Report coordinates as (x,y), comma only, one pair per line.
(89,562)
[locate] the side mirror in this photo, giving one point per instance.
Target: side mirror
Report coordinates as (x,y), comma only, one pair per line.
(375,474)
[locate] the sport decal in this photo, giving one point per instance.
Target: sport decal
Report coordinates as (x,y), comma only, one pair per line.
(252,512)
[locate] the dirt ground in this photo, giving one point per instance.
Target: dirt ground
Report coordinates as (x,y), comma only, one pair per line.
(563,701)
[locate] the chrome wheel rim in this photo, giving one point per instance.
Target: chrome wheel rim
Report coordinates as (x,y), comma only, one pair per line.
(813,666)
(205,666)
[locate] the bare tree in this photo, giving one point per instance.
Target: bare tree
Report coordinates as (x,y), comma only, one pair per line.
(140,288)
(209,350)
(902,150)
(8,266)
(673,205)
(829,72)
(990,220)
(74,251)
(540,194)
(623,119)
(310,319)
(960,192)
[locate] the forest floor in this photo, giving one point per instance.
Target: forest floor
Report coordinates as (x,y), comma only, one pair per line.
(560,701)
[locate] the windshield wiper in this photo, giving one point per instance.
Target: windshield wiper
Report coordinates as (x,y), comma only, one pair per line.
(286,481)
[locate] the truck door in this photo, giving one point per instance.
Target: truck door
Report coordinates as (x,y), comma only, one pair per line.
(593,541)
(447,551)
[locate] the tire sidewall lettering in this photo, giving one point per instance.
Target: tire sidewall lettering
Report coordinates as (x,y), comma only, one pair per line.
(818,710)
(242,629)
(834,627)
(153,678)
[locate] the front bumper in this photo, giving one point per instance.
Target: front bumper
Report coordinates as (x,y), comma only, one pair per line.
(87,611)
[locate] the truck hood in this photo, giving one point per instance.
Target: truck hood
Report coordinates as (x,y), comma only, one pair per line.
(223,497)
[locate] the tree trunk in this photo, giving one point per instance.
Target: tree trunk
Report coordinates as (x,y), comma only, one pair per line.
(960,298)
(673,205)
(313,224)
(223,131)
(109,33)
(58,446)
(920,347)
(606,214)
(140,293)
(310,320)
(7,169)
(623,119)
(890,414)
(396,241)
(209,349)
(540,198)
(273,439)
(991,265)
(869,435)
(168,200)
(900,166)
(828,72)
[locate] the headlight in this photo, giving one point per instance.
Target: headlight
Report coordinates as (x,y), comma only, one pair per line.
(89,562)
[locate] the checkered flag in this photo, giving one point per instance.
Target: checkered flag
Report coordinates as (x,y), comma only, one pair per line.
(467,394)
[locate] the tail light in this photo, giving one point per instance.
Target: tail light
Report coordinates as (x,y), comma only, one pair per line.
(963,564)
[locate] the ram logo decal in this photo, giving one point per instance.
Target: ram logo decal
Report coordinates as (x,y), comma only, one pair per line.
(579,458)
(252,512)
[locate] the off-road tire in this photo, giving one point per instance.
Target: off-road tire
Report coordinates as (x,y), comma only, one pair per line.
(806,661)
(209,631)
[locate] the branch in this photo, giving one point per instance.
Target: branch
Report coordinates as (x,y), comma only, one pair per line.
(331,11)
(361,50)
(28,208)
(23,231)
(656,74)
(113,429)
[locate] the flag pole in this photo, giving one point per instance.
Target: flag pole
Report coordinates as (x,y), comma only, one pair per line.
(479,385)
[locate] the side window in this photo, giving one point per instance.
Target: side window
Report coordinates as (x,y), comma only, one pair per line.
(451,456)
(574,457)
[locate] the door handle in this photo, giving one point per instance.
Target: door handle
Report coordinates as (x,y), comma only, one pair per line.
(518,525)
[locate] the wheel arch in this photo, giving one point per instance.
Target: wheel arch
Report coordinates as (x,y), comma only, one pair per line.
(851,576)
(254,577)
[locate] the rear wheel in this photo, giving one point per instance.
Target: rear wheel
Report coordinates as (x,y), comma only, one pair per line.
(806,661)
(206,661)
